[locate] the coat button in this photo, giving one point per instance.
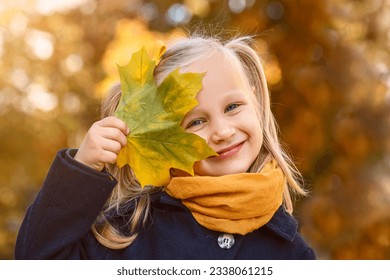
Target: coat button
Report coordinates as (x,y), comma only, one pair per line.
(226,240)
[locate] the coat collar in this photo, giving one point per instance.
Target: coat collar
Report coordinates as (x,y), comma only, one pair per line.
(282,223)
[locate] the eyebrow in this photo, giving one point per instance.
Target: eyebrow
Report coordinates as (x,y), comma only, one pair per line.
(236,92)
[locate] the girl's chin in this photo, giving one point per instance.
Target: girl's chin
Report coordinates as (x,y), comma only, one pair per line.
(204,170)
(226,170)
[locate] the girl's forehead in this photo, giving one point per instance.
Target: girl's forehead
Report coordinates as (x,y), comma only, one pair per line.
(222,76)
(221,67)
(217,59)
(220,63)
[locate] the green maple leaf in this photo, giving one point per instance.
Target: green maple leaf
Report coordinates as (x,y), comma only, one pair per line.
(157,142)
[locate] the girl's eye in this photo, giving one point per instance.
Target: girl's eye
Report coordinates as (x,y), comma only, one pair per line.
(231,107)
(195,123)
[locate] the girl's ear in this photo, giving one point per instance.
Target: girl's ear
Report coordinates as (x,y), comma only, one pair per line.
(253,89)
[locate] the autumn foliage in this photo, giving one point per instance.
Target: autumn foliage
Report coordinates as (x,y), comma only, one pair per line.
(327,65)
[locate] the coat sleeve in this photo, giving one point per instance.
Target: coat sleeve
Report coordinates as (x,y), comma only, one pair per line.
(61,215)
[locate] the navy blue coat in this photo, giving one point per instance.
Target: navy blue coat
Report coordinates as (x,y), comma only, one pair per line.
(57,225)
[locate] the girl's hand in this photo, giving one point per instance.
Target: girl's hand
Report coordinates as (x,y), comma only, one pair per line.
(103,142)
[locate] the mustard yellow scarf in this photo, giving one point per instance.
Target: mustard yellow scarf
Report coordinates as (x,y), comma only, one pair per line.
(236,203)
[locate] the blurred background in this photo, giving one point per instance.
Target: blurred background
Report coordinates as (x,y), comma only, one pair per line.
(327,64)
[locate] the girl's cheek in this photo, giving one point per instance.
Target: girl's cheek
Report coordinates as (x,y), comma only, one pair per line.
(202,133)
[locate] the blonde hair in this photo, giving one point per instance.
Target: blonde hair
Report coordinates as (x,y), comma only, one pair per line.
(182,54)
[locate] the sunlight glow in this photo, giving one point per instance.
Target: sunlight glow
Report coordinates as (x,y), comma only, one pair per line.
(18,24)
(71,102)
(39,98)
(20,79)
(74,63)
(237,6)
(148,11)
(48,7)
(41,44)
(178,14)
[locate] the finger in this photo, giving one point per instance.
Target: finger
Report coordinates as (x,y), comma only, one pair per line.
(113,121)
(114,134)
(108,157)
(111,146)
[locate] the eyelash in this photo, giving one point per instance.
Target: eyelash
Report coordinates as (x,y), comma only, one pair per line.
(227,109)
(191,124)
(236,105)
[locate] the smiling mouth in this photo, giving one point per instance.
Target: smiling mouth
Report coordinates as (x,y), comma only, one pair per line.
(230,151)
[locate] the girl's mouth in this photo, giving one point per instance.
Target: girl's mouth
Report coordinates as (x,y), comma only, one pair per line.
(229,151)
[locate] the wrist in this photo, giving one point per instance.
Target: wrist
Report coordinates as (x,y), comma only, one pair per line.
(95,166)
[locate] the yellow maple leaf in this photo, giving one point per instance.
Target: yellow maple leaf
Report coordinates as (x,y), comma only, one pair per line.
(157,142)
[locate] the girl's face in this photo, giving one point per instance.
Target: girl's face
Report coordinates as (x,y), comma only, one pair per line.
(225,117)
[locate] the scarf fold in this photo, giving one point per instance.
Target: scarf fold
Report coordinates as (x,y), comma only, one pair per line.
(236,203)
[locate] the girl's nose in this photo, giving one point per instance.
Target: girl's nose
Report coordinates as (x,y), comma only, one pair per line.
(222,132)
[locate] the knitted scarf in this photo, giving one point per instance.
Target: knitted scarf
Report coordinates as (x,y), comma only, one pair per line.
(236,203)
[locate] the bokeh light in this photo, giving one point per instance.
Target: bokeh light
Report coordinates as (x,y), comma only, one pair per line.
(327,66)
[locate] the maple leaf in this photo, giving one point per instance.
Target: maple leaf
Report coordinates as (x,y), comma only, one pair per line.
(157,142)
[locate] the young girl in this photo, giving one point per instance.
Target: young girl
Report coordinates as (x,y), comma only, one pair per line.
(238,206)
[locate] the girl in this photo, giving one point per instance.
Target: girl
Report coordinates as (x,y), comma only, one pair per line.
(238,206)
